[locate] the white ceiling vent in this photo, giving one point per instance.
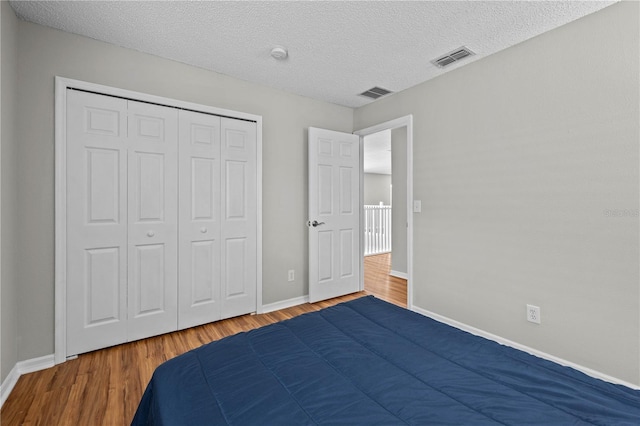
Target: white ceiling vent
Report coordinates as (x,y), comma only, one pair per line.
(453,56)
(375,92)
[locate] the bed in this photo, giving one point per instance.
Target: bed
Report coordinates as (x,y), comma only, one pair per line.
(367,362)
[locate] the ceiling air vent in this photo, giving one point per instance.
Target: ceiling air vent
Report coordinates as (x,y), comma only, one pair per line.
(375,92)
(453,56)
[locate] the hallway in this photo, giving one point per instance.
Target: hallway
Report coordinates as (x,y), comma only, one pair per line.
(379,283)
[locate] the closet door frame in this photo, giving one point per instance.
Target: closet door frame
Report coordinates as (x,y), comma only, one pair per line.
(62,84)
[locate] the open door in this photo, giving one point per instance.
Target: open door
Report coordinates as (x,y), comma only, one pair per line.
(334,214)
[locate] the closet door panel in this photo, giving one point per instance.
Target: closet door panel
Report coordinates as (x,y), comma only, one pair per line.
(149,187)
(101,286)
(200,180)
(103,185)
(96,222)
(204,273)
(152,220)
(239,212)
(148,280)
(204,196)
(236,269)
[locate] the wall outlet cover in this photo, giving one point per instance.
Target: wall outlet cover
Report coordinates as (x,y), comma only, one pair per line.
(533,314)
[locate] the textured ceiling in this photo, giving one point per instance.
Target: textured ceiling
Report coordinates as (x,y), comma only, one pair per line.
(336,49)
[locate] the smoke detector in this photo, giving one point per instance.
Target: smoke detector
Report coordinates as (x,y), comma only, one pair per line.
(279,53)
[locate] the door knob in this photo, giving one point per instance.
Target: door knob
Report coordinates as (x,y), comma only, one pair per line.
(150,233)
(315,223)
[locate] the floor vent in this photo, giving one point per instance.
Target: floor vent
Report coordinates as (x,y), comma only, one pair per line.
(453,56)
(375,92)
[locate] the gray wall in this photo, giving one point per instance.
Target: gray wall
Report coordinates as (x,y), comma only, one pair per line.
(526,163)
(9,212)
(44,53)
(399,212)
(377,188)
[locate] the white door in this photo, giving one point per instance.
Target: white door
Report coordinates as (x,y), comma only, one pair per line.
(239,210)
(199,291)
(153,220)
(127,269)
(218,218)
(96,221)
(334,214)
(121,220)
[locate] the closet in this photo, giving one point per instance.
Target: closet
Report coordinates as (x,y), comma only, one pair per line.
(161,225)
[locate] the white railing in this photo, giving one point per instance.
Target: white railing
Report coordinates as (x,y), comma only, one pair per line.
(377,229)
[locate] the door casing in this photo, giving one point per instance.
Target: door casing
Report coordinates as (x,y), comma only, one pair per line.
(405,121)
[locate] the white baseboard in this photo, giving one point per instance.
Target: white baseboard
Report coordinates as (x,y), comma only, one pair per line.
(529,350)
(7,386)
(397,274)
(23,367)
(283,304)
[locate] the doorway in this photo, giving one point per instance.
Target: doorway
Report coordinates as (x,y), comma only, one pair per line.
(386,198)
(384,167)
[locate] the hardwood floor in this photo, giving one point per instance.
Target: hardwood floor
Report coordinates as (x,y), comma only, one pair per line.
(105,386)
(379,283)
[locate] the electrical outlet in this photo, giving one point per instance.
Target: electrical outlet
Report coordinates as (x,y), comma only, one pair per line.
(292,275)
(533,314)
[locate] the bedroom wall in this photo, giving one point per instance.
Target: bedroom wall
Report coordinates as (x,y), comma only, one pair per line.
(526,163)
(44,53)
(377,188)
(8,190)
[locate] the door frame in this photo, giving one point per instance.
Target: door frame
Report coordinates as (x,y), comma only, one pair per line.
(60,185)
(405,121)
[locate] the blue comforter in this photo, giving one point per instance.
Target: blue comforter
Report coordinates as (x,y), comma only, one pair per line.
(367,362)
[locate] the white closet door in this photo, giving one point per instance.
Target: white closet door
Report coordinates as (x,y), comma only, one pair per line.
(239,212)
(153,220)
(199,270)
(134,170)
(96,221)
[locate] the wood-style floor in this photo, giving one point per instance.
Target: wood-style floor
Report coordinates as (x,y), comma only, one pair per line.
(379,283)
(105,386)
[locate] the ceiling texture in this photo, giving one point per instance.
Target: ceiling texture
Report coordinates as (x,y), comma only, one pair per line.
(336,49)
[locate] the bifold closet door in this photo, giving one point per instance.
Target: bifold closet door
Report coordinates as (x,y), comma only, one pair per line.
(200,181)
(121,221)
(96,221)
(161,219)
(153,220)
(238,239)
(218,213)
